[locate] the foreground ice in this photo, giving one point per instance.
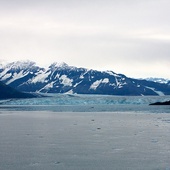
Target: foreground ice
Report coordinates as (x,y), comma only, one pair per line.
(77,99)
(44,140)
(87,103)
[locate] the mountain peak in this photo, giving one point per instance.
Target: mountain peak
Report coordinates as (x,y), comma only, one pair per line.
(21,64)
(62,78)
(58,65)
(158,80)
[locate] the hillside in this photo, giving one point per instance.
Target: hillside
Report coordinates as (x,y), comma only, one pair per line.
(7,92)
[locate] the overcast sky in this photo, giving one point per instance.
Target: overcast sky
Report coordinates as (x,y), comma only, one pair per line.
(126,36)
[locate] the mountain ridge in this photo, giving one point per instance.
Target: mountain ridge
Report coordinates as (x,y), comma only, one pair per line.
(62,78)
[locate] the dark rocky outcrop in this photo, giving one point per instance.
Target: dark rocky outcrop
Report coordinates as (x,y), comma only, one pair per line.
(161,103)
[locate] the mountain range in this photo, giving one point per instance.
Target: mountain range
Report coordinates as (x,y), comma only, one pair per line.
(61,78)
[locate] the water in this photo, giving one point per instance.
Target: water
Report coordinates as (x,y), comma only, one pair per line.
(82,132)
(88,103)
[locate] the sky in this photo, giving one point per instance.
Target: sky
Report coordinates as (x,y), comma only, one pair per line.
(131,37)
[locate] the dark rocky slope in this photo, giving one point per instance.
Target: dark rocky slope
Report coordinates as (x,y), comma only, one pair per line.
(7,92)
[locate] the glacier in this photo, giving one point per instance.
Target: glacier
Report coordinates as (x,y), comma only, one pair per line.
(88,103)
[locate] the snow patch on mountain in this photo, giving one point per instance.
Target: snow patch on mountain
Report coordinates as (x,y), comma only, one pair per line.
(65,80)
(57,65)
(70,92)
(158,92)
(57,76)
(20,65)
(47,87)
(158,80)
(41,77)
(77,84)
(6,76)
(117,82)
(98,82)
(106,80)
(4,72)
(81,76)
(95,84)
(16,76)
(112,73)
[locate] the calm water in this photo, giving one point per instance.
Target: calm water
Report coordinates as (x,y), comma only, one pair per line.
(84,132)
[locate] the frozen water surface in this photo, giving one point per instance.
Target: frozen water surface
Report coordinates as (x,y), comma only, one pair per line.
(85,135)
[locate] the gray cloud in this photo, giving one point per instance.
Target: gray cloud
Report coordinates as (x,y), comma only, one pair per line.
(130,37)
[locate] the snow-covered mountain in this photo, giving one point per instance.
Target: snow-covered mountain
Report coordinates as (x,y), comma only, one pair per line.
(62,78)
(158,80)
